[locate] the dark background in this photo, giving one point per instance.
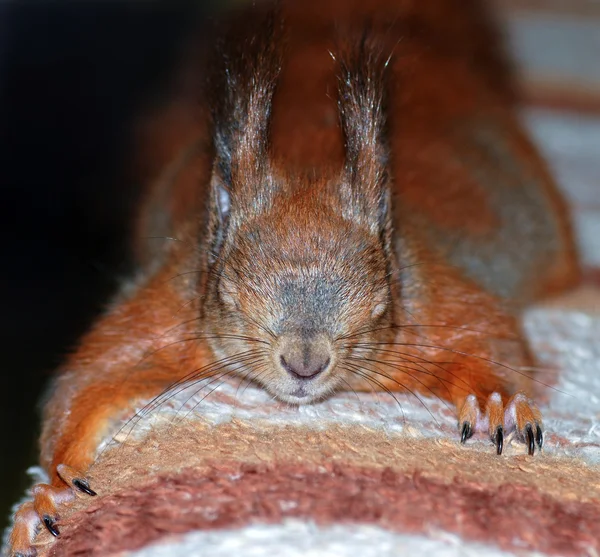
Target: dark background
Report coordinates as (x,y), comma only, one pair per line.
(72,77)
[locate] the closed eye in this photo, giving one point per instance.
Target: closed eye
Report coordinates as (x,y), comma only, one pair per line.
(227,294)
(379,310)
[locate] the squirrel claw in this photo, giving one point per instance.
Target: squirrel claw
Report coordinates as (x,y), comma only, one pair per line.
(75,479)
(468,418)
(522,415)
(539,437)
(519,415)
(530,441)
(533,436)
(42,510)
(83,485)
(51,526)
(498,439)
(467,431)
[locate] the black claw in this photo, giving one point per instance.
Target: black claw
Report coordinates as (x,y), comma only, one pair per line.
(499,439)
(530,440)
(82,485)
(539,437)
(466,432)
(49,523)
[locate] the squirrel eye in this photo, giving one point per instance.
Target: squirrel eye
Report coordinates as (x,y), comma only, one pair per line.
(379,310)
(227,292)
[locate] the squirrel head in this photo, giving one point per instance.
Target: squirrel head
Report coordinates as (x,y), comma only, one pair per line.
(300,268)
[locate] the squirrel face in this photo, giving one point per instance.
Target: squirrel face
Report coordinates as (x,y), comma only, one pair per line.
(299,269)
(296,285)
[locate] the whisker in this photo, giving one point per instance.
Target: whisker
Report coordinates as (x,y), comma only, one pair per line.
(357,370)
(188,302)
(352,389)
(170,238)
(407,326)
(467,354)
(160,398)
(184,273)
(197,248)
(250,381)
(208,335)
(197,337)
(400,385)
(185,382)
(403,370)
(213,379)
(227,370)
(223,374)
(254,322)
(426,361)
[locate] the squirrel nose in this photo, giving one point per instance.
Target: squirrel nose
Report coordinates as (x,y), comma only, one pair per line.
(304,357)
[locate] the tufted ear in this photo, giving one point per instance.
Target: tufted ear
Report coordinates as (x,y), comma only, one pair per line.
(361,94)
(218,215)
(242,94)
(241,180)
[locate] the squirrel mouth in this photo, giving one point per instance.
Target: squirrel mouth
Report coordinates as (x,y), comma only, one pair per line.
(300,392)
(304,394)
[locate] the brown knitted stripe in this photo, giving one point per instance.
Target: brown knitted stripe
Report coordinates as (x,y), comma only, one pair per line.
(234,495)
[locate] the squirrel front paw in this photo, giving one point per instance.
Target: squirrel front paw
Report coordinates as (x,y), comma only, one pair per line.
(42,510)
(520,415)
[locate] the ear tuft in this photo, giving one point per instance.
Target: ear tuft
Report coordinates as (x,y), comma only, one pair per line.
(242,104)
(242,95)
(361,96)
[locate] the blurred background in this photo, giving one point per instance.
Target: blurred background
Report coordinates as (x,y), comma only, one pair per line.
(72,76)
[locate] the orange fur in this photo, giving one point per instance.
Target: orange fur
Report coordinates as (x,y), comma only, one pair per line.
(459,164)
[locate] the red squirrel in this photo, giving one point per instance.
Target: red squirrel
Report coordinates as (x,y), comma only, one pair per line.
(352,204)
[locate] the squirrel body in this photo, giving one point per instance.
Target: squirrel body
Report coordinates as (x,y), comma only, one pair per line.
(392,251)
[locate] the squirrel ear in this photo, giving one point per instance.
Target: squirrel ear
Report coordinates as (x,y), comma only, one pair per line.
(222,201)
(242,111)
(219,216)
(361,88)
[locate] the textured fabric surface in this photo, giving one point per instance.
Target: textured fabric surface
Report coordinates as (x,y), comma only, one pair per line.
(238,472)
(330,494)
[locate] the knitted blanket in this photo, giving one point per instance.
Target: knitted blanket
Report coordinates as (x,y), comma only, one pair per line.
(237,473)
(229,471)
